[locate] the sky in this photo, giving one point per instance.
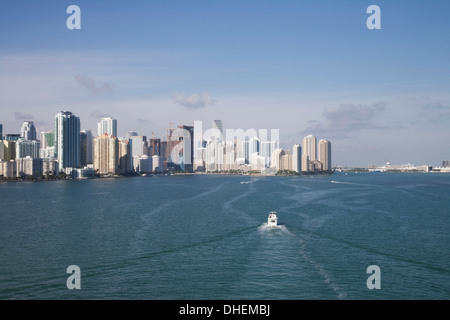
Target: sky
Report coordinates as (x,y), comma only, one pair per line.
(303,67)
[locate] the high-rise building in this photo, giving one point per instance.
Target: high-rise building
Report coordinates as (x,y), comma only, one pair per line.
(325,154)
(296,158)
(446,163)
(1,131)
(107,125)
(156,164)
(305,163)
(217,124)
(106,154)
(67,139)
(286,161)
(28,131)
(27,148)
(187,140)
(246,151)
(276,158)
(309,147)
(139,145)
(29,166)
(86,148)
(7,150)
(125,163)
(254,145)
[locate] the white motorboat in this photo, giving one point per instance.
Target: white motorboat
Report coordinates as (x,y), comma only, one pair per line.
(272,221)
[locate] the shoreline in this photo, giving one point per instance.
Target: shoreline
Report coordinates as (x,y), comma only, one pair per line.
(14,180)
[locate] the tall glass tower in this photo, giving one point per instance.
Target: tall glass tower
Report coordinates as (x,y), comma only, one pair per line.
(67,139)
(107,125)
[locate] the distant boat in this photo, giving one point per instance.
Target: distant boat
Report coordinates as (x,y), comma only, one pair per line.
(272,220)
(244,182)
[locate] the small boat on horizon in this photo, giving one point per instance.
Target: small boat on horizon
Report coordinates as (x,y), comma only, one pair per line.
(272,220)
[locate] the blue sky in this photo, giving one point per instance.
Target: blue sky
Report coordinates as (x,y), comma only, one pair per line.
(299,66)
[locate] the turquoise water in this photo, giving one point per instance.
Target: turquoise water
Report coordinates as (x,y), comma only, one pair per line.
(203,237)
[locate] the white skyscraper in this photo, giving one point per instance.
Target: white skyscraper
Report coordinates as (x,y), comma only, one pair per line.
(28,131)
(309,147)
(325,154)
(107,125)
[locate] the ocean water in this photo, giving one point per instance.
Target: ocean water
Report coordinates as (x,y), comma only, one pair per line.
(204,237)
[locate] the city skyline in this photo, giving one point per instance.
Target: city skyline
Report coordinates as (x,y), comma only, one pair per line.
(72,151)
(305,68)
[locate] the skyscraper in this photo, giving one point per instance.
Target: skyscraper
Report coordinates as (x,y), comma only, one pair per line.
(217,124)
(1,131)
(28,131)
(86,148)
(309,147)
(107,125)
(296,158)
(305,163)
(67,139)
(7,150)
(325,154)
(106,154)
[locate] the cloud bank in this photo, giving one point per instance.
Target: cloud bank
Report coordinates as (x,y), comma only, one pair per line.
(194,101)
(348,118)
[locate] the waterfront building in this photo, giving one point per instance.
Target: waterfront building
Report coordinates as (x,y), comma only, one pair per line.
(125,163)
(309,147)
(305,163)
(50,167)
(143,164)
(86,148)
(139,145)
(28,131)
(325,154)
(217,124)
(106,154)
(156,165)
(296,158)
(286,161)
(1,131)
(7,150)
(67,139)
(107,125)
(8,169)
(276,157)
(29,167)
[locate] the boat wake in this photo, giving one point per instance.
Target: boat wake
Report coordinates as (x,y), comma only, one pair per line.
(266,228)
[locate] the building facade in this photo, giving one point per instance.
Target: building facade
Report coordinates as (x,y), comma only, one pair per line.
(28,131)
(67,140)
(325,154)
(106,154)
